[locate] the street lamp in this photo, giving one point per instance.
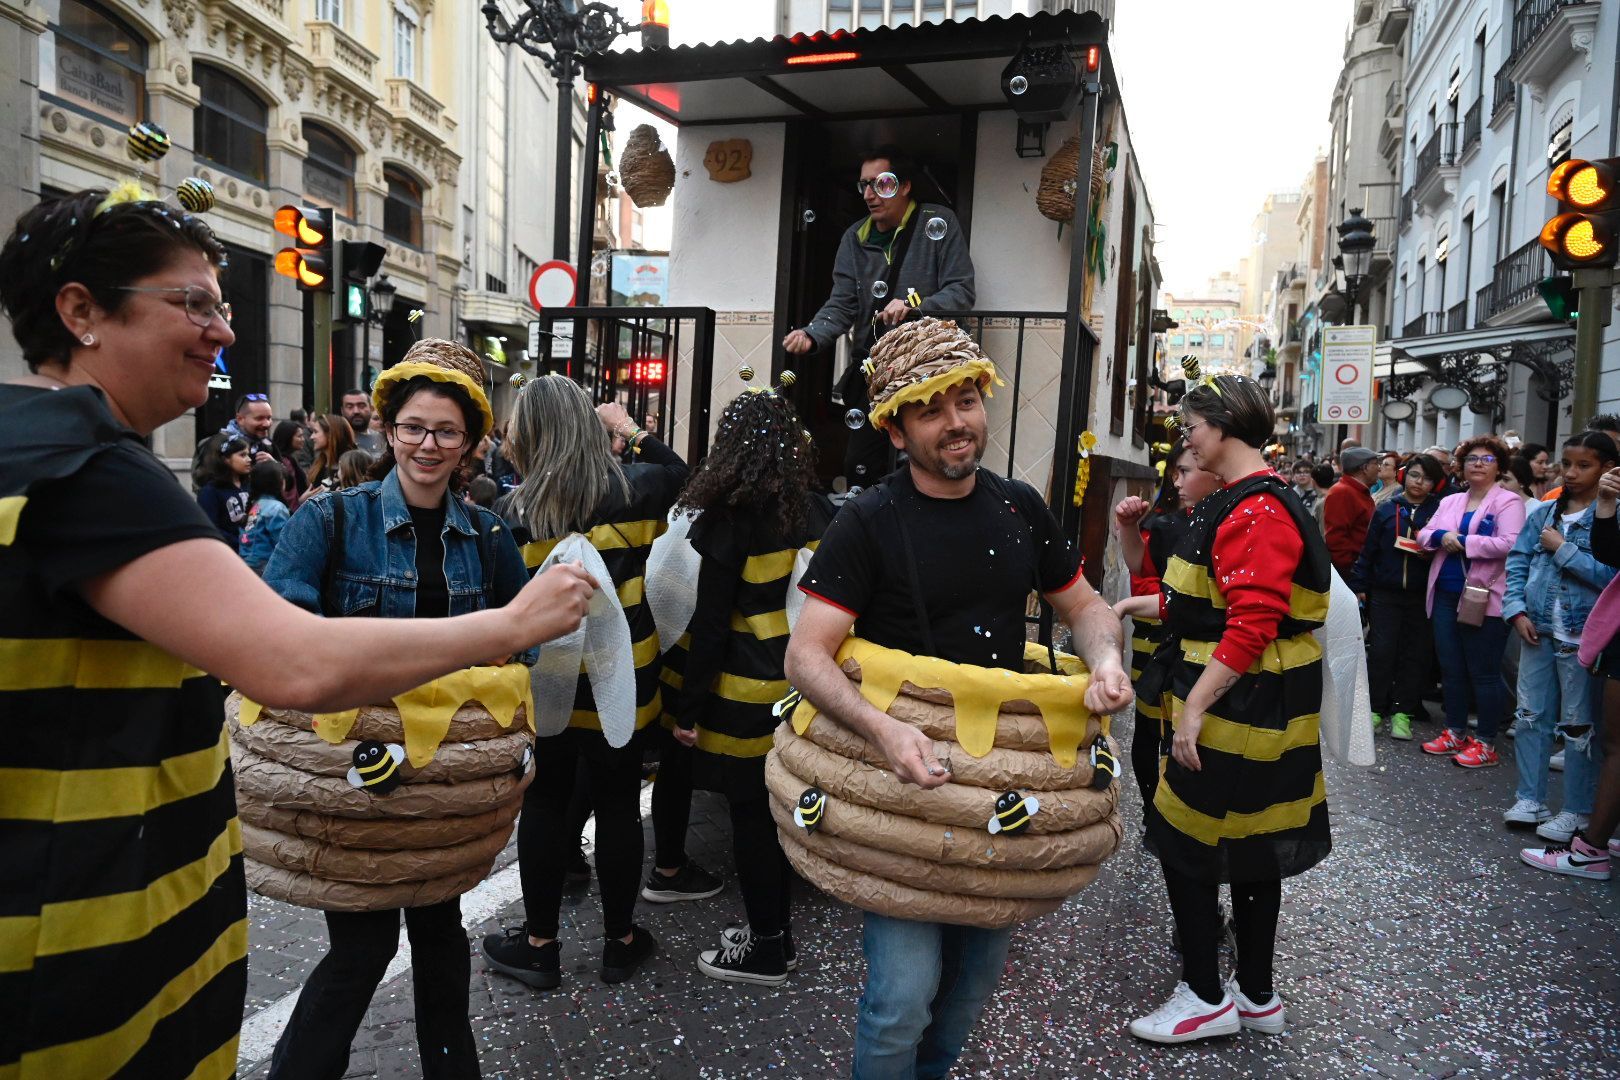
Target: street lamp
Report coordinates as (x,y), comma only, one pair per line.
(382,302)
(559,33)
(1356,243)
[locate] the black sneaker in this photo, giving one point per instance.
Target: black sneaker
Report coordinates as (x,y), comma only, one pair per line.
(620,960)
(750,959)
(510,953)
(579,870)
(692,882)
(731,935)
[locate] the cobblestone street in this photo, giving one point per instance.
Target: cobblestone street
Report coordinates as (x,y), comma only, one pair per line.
(1422,947)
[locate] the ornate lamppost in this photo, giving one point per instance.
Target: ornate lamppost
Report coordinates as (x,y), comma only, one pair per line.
(1356,243)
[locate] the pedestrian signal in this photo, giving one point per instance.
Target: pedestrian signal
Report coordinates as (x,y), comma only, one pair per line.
(309,263)
(1586,230)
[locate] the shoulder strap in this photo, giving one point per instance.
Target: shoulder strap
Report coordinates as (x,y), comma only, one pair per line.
(334,556)
(486,552)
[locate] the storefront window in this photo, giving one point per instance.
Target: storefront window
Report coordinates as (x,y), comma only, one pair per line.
(329,170)
(229,123)
(402,210)
(93,62)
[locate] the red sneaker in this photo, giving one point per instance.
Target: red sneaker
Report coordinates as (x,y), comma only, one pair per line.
(1448,742)
(1476,755)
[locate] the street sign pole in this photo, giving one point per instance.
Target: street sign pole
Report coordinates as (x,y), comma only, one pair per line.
(1595,288)
(323,350)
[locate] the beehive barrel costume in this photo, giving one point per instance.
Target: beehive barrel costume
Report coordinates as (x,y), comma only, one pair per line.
(419,825)
(1031,809)
(1257,809)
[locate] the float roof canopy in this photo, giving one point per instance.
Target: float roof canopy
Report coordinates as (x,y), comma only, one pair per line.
(888,71)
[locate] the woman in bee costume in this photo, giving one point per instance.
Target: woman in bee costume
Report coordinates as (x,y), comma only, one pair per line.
(755,511)
(1241,797)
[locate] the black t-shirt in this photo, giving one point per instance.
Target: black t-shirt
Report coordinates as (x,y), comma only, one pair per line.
(432,594)
(976,561)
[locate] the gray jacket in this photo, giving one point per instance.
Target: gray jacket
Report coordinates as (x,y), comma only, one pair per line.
(939,270)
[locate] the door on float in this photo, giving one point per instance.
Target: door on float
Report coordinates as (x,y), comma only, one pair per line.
(820,203)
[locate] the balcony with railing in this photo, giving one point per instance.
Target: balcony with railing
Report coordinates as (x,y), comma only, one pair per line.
(1513,283)
(1436,167)
(1407,204)
(1457,317)
(1393,18)
(1504,93)
(1471,125)
(336,53)
(409,102)
(1424,325)
(1547,36)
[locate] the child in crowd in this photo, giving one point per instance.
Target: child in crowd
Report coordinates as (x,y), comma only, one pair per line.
(1552,582)
(267,514)
(1391,576)
(222,496)
(354,468)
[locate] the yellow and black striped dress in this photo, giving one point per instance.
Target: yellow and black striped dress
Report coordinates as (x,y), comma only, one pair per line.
(623,533)
(742,632)
(123,913)
(1257,809)
(1151,737)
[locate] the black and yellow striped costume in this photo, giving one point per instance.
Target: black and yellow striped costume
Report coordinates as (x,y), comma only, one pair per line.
(742,597)
(1257,810)
(623,534)
(123,913)
(1151,739)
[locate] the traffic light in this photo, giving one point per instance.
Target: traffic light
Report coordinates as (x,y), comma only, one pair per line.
(310,262)
(655,24)
(1586,231)
(357,261)
(1561,297)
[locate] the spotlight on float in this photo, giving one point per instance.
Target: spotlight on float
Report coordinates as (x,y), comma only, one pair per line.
(1042,82)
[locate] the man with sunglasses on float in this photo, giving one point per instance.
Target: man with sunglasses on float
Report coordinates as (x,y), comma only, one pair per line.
(904,257)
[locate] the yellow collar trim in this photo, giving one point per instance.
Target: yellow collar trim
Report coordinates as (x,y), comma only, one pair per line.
(982,372)
(412,368)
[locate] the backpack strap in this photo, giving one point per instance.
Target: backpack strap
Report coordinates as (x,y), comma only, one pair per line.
(334,556)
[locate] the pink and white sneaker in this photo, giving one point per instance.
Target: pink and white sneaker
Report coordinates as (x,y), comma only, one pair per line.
(1186,1017)
(1269,1019)
(1576,858)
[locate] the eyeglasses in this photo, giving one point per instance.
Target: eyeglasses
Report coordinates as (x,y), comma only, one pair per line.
(886,184)
(416,434)
(202,306)
(1480,459)
(1188,429)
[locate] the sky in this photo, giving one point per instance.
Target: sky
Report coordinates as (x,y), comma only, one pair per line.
(1226,103)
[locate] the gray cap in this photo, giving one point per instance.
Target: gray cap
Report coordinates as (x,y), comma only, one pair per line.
(1356,458)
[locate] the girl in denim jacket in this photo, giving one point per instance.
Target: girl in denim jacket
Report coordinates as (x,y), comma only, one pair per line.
(267,514)
(1552,582)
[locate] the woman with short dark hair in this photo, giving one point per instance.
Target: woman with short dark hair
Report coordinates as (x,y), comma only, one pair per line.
(287,440)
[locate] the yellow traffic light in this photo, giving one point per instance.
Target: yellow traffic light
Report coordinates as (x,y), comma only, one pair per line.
(1586,230)
(1585,185)
(310,263)
(311,271)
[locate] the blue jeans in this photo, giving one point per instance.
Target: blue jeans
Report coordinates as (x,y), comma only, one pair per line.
(925,986)
(1555,690)
(1470,656)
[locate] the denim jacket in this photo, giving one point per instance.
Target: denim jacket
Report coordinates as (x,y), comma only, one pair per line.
(376,575)
(1535,576)
(265,522)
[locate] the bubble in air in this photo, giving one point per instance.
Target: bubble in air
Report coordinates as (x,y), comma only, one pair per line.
(612,179)
(880,288)
(809,217)
(1017,84)
(935,229)
(854,419)
(887,185)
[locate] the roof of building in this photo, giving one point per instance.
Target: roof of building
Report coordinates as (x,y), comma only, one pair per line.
(882,72)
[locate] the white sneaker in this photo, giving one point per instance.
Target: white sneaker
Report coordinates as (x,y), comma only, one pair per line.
(1614,848)
(1526,812)
(1187,1017)
(1269,1018)
(1556,762)
(1562,827)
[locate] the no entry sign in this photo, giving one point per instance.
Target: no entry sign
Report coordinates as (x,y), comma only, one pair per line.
(553,285)
(1347,369)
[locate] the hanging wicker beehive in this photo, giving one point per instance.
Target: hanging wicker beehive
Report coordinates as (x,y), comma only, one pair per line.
(1060,179)
(645,168)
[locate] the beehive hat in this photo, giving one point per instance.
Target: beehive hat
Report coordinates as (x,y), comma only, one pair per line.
(442,361)
(917,360)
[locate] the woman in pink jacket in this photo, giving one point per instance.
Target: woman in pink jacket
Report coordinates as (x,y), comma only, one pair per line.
(1473,530)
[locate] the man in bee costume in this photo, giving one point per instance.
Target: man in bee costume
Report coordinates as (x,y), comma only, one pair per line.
(937,561)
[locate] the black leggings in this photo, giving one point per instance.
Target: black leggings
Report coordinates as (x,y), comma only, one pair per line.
(763,872)
(1146,749)
(315,1044)
(545,845)
(1197,909)
(672,805)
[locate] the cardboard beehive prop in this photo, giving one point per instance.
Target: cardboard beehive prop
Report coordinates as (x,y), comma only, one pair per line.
(397,805)
(1029,814)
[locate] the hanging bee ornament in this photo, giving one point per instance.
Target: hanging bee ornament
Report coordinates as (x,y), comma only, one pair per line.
(1104,766)
(518,381)
(746,373)
(788,378)
(376,767)
(147,141)
(812,805)
(1013,812)
(195,194)
(526,761)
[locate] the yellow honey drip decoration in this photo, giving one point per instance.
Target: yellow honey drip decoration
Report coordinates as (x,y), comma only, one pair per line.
(977,694)
(425,712)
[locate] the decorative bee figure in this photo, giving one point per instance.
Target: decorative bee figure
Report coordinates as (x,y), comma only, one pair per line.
(1104,766)
(786,706)
(812,805)
(787,378)
(147,141)
(195,194)
(376,767)
(746,373)
(526,762)
(1013,812)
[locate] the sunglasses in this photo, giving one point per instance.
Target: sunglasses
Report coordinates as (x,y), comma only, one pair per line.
(255,397)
